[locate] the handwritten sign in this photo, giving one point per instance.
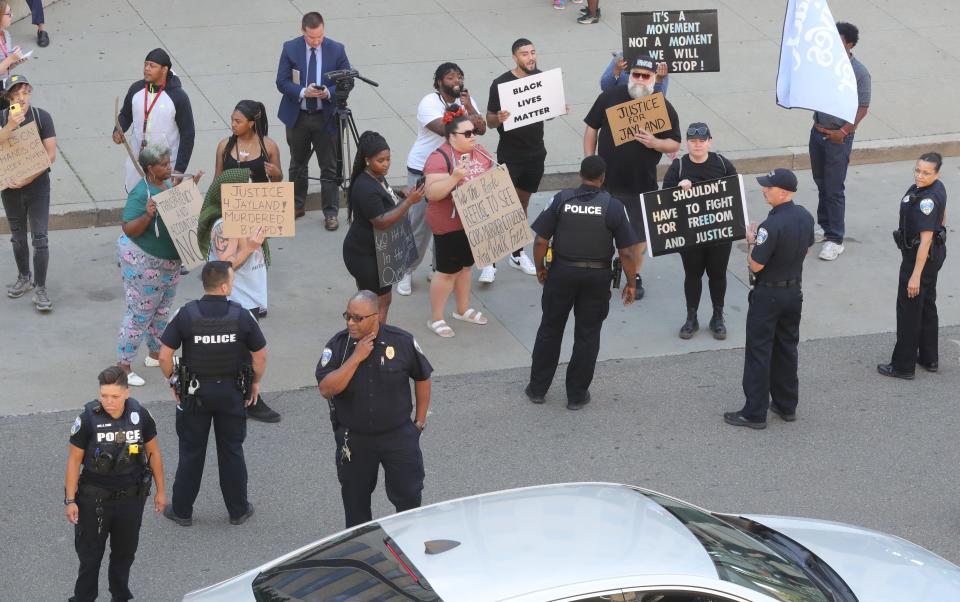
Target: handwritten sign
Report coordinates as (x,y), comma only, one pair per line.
(532,99)
(709,213)
(247,207)
(630,118)
(686,40)
(396,251)
(180,209)
(492,216)
(22,156)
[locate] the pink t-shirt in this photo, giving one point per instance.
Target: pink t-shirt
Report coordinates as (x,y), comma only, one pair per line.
(442,215)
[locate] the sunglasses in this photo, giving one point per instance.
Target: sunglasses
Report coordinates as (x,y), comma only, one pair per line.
(698,131)
(640,75)
(467,134)
(355,319)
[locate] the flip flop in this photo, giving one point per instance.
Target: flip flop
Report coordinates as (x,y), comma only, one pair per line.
(472,316)
(441,328)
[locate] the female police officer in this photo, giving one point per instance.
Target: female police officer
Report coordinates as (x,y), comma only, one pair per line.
(921,239)
(114,439)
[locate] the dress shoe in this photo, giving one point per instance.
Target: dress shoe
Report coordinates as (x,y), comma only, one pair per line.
(738,419)
(183,522)
(783,415)
(331,223)
(576,405)
(299,212)
(43,39)
(243,517)
(931,367)
(889,370)
(538,399)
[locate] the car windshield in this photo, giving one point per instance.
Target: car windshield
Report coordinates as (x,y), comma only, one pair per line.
(364,564)
(742,559)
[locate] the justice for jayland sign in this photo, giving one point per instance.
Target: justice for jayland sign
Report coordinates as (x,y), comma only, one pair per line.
(532,99)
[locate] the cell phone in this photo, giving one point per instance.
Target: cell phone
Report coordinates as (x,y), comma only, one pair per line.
(14,108)
(464,157)
(420,181)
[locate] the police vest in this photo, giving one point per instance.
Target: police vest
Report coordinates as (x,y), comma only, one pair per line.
(212,347)
(116,445)
(582,233)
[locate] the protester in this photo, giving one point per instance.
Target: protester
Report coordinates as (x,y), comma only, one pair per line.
(372,205)
(701,165)
(36,17)
(10,55)
(149,263)
(27,203)
(446,169)
(158,109)
(307,111)
(448,92)
(249,147)
(591,14)
(617,74)
(831,141)
(921,238)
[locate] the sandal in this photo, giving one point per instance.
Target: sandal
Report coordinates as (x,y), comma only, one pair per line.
(471,315)
(441,328)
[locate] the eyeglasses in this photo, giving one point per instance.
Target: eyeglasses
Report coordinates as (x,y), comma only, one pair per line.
(467,134)
(355,319)
(698,131)
(641,75)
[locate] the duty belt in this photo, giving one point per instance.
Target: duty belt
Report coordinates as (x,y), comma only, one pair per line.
(99,493)
(795,283)
(597,265)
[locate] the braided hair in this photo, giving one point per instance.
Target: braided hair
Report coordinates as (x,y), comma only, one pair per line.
(370,144)
(257,113)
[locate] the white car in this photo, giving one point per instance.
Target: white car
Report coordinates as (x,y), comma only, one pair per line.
(591,542)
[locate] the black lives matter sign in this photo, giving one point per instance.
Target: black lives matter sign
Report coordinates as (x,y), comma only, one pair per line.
(686,40)
(708,213)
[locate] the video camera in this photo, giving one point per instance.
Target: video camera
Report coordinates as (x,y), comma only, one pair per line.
(344,80)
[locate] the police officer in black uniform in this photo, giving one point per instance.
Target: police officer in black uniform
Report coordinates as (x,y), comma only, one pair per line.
(584,224)
(224,356)
(364,374)
(114,440)
(773,320)
(921,238)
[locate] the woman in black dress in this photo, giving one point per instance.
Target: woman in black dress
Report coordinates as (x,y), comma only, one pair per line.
(249,145)
(372,205)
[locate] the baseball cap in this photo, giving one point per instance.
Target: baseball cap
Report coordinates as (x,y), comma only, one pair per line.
(644,62)
(698,131)
(779,178)
(14,80)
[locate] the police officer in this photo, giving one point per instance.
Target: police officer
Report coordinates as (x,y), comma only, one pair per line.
(224,356)
(114,440)
(584,224)
(773,320)
(921,239)
(364,374)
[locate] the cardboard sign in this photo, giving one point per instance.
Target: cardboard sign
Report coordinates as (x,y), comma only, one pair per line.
(532,99)
(22,156)
(180,209)
(492,216)
(686,40)
(247,207)
(628,119)
(709,213)
(396,251)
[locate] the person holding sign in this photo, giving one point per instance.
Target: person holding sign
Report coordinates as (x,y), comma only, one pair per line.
(458,160)
(701,165)
(773,320)
(372,205)
(27,202)
(631,166)
(149,263)
(583,225)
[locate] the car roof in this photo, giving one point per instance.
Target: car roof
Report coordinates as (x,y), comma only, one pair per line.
(525,540)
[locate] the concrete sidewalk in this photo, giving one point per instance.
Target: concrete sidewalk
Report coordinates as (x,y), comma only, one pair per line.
(227,50)
(52,360)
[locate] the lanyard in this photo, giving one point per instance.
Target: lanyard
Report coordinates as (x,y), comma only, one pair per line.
(147,111)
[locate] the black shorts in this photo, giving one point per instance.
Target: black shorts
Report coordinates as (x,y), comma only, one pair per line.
(631,204)
(451,252)
(363,268)
(526,175)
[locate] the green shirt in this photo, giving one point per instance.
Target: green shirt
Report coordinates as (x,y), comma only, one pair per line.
(155,240)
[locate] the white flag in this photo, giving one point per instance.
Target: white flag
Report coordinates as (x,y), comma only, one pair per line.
(815,71)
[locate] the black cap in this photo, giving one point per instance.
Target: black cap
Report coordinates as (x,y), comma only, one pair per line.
(779,178)
(644,62)
(698,131)
(14,80)
(160,57)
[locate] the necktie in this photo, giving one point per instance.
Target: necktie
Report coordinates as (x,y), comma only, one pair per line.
(312,103)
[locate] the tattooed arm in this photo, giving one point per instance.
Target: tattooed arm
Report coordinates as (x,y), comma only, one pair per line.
(235,250)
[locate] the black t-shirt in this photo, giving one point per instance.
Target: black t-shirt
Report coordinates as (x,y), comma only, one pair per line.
(782,242)
(631,167)
(715,167)
(84,430)
(520,145)
(43,119)
(368,199)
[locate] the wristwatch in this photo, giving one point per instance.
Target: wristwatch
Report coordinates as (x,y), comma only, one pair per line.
(419,425)
(67,501)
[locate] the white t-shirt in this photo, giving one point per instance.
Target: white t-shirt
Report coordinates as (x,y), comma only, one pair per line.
(250,281)
(431,107)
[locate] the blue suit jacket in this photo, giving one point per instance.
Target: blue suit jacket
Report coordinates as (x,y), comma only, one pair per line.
(333,57)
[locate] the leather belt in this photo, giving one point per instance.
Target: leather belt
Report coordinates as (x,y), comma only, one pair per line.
(415,172)
(795,283)
(597,265)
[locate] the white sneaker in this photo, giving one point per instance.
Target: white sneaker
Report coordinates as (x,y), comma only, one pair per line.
(523,263)
(405,286)
(830,251)
(818,235)
(487,274)
(149,362)
(134,380)
(430,275)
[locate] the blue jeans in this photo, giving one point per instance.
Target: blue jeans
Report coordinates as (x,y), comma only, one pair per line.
(829,161)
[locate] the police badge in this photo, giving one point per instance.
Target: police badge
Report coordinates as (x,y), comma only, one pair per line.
(926,206)
(76,426)
(761,236)
(325,358)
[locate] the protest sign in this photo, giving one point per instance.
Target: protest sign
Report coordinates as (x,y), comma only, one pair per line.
(532,99)
(708,213)
(628,119)
(396,251)
(180,209)
(492,216)
(686,40)
(22,156)
(247,207)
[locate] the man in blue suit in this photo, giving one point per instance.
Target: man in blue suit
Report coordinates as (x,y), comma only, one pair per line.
(308,112)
